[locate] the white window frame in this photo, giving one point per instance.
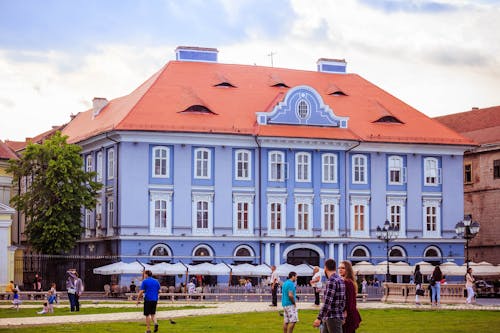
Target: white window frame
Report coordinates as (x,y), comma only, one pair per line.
(304,201)
(246,165)
(202,197)
(436,203)
(395,164)
(98,167)
(239,199)
(281,200)
(329,162)
(87,221)
(159,246)
(278,165)
(98,214)
(432,171)
(205,171)
(299,110)
(329,200)
(88,163)
(360,247)
(365,202)
(111,163)
(110,215)
(162,159)
(160,196)
(401,203)
(359,167)
(303,165)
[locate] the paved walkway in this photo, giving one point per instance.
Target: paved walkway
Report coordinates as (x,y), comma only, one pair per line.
(212,308)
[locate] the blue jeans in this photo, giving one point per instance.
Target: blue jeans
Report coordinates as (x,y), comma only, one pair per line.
(436,292)
(72,302)
(332,325)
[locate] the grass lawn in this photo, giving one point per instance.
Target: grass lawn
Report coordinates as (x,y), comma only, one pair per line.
(374,321)
(64,311)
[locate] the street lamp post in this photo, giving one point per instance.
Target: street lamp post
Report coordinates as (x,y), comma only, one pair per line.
(467,229)
(386,233)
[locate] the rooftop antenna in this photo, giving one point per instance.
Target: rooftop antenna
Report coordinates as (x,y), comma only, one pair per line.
(272,54)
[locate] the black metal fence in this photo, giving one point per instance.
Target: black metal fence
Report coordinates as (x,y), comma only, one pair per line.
(53,268)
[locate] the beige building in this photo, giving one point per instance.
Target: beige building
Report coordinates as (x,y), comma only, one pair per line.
(6,215)
(481,177)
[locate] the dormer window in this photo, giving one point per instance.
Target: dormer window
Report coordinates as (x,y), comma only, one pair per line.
(333,90)
(225,84)
(198,109)
(388,119)
(338,93)
(280,85)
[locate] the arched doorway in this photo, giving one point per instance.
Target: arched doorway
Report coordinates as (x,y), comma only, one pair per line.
(303,256)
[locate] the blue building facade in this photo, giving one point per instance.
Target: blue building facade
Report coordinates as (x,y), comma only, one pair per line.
(230,197)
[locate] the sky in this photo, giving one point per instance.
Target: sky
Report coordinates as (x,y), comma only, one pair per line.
(439,56)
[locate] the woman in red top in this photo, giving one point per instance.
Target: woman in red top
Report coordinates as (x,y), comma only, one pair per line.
(353,318)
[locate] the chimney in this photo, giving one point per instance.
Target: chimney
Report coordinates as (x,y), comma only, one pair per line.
(98,103)
(331,65)
(194,53)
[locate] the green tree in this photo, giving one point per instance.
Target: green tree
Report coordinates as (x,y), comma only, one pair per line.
(56,188)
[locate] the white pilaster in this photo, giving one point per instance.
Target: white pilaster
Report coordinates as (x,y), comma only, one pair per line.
(267,253)
(341,252)
(331,251)
(277,254)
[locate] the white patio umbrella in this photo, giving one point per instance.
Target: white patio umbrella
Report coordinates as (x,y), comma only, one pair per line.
(111,269)
(426,268)
(400,268)
(209,269)
(304,270)
(251,270)
(452,269)
(136,268)
(165,268)
(364,268)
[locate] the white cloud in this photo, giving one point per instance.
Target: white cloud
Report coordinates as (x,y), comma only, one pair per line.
(439,62)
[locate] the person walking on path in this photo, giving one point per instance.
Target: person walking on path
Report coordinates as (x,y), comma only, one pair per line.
(150,288)
(316,284)
(436,278)
(331,314)
(9,288)
(71,288)
(275,279)
(351,313)
(288,300)
(417,278)
(469,284)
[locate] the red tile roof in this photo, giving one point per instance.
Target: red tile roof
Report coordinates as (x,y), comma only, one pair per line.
(157,104)
(480,125)
(5,152)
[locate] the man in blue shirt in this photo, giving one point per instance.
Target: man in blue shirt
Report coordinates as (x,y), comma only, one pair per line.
(288,298)
(332,311)
(150,288)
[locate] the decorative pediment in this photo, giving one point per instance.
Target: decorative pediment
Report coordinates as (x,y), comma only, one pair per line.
(302,106)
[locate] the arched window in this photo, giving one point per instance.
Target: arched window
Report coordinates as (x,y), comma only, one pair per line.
(160,250)
(432,255)
(397,253)
(360,251)
(245,252)
(202,253)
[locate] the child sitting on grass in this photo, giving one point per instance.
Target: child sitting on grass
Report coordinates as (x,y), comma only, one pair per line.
(45,309)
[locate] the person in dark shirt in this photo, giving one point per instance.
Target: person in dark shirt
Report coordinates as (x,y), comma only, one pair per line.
(437,276)
(331,314)
(132,286)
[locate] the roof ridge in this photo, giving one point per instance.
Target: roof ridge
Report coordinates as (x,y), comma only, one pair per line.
(158,75)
